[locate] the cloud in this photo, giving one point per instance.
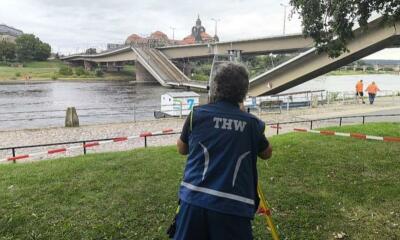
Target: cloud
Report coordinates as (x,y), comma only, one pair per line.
(73,25)
(68,25)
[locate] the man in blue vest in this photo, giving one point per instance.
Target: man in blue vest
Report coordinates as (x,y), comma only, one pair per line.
(218,193)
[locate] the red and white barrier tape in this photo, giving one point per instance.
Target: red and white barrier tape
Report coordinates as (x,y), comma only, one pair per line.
(86,145)
(352,135)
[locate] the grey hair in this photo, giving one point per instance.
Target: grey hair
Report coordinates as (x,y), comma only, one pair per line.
(231,83)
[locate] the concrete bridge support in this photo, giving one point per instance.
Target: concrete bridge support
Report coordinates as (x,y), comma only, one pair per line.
(142,75)
(89,66)
(75,63)
(185,66)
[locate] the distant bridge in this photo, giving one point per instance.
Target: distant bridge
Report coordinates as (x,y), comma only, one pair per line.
(155,63)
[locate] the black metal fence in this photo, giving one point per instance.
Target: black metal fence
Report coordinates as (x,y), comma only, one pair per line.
(361,119)
(83,143)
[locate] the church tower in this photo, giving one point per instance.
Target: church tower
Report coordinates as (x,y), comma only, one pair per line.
(198,30)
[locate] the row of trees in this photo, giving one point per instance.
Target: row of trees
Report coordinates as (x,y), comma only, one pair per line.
(27,47)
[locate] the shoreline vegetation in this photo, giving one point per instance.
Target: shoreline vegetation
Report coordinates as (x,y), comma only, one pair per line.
(53,70)
(360,72)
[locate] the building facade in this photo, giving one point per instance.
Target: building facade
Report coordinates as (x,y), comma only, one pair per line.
(198,35)
(8,33)
(158,39)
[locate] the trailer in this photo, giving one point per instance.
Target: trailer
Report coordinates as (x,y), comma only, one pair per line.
(177,104)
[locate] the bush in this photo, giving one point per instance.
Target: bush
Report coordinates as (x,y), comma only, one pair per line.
(80,71)
(65,71)
(200,77)
(54,76)
(370,68)
(18,74)
(388,69)
(98,73)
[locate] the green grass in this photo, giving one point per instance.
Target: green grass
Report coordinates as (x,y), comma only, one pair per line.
(376,129)
(45,70)
(317,185)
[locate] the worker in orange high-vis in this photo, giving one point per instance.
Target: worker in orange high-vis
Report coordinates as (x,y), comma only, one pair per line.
(372,89)
(359,91)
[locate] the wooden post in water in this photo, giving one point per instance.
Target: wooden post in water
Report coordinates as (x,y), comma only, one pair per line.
(71,118)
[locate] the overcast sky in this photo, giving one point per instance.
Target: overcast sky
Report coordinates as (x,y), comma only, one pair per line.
(72,25)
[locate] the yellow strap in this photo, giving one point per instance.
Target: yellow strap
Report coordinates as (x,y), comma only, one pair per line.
(268,219)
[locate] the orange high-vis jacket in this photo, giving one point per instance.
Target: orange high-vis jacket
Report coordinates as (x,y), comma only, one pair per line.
(359,86)
(372,88)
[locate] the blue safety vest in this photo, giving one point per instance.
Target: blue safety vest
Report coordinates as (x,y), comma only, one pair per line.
(221,173)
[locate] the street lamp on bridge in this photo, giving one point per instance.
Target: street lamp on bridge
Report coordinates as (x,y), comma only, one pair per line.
(173,33)
(216,25)
(284,17)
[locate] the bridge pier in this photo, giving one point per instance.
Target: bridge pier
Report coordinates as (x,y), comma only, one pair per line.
(185,67)
(89,65)
(142,75)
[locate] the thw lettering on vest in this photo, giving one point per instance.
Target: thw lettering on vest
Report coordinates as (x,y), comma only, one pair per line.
(229,124)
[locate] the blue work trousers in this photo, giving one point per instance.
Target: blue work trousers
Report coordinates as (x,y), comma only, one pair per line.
(196,223)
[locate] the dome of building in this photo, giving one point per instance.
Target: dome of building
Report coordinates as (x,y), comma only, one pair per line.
(159,35)
(134,38)
(198,35)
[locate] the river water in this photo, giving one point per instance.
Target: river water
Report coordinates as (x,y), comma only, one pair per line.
(35,105)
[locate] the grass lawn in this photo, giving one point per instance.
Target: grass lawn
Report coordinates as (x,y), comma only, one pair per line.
(317,186)
(46,70)
(10,73)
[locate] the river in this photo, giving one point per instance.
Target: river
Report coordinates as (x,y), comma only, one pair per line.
(36,105)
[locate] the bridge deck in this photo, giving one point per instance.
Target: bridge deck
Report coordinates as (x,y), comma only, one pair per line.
(310,64)
(163,70)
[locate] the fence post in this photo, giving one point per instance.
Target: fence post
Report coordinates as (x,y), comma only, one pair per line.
(363,120)
(145,141)
(180,114)
(84,147)
(328,101)
(277,129)
(13,154)
(311,123)
(343,98)
(134,113)
(340,122)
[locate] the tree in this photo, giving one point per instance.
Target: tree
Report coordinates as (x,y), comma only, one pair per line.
(330,22)
(7,51)
(26,45)
(42,51)
(29,47)
(91,51)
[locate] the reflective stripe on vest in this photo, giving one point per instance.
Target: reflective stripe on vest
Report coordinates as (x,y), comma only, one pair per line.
(218,193)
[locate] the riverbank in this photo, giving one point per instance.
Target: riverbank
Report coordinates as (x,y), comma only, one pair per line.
(319,187)
(83,80)
(12,138)
(360,72)
(50,70)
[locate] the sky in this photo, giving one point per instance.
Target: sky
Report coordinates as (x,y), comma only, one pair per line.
(71,26)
